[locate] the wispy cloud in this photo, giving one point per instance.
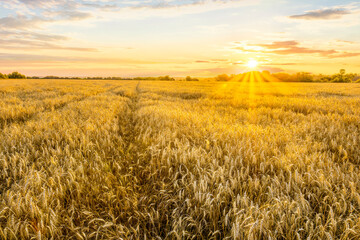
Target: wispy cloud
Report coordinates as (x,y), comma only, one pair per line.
(344,55)
(119,5)
(28,35)
(40,3)
(32,44)
(213,61)
(22,22)
(291,48)
(323,14)
(21,59)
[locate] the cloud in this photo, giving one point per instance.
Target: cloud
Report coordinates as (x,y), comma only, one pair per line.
(345,41)
(30,45)
(279,64)
(161,8)
(344,55)
(290,48)
(116,5)
(32,41)
(36,59)
(323,14)
(21,31)
(22,22)
(35,13)
(202,61)
(303,50)
(72,15)
(28,35)
(213,61)
(37,3)
(281,44)
(272,69)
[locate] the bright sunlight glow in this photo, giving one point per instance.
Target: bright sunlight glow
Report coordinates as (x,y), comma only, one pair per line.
(252,64)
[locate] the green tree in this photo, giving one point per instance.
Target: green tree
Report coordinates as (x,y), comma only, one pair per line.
(223,78)
(304,77)
(188,78)
(16,75)
(342,77)
(3,76)
(283,77)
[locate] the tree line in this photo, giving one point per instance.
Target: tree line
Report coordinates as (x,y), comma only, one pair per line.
(160,78)
(266,76)
(14,75)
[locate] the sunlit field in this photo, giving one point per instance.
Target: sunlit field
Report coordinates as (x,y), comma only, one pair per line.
(179,160)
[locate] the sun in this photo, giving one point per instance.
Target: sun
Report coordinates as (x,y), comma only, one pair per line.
(252,63)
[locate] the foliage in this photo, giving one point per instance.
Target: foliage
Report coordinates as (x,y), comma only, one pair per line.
(223,78)
(16,75)
(189,79)
(342,77)
(287,77)
(3,76)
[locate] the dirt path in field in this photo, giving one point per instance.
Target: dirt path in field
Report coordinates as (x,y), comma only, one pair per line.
(127,123)
(144,180)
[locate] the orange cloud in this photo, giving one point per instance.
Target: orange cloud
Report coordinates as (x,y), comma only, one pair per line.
(293,47)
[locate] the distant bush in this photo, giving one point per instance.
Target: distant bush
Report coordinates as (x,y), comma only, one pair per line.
(51,77)
(3,76)
(223,78)
(343,77)
(188,78)
(284,77)
(16,75)
(161,78)
(166,78)
(304,77)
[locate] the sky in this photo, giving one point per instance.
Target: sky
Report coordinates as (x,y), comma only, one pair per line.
(201,38)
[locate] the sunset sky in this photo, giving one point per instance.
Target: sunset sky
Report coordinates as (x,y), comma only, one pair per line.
(177,38)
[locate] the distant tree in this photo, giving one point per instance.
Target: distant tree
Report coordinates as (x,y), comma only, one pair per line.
(342,77)
(304,77)
(16,75)
(165,78)
(3,76)
(188,78)
(223,78)
(283,77)
(51,77)
(325,79)
(265,72)
(356,78)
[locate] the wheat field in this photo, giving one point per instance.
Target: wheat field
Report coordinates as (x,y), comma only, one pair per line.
(179,160)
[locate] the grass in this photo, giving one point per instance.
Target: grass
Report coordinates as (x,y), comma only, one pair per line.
(179,160)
